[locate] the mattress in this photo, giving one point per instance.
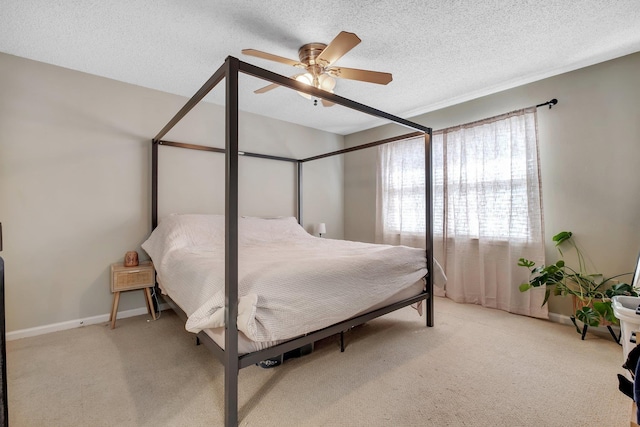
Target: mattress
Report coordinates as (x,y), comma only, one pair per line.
(289,282)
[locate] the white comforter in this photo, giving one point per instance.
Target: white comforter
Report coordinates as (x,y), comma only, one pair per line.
(290,283)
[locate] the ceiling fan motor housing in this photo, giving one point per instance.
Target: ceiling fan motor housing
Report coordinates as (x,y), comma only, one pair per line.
(309,52)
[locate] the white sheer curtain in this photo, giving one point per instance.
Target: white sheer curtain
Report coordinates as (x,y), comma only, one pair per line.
(487,207)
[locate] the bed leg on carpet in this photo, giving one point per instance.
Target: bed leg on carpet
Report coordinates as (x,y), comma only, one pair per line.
(342,342)
(197,340)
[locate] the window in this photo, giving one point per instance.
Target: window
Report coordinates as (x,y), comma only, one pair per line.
(485,181)
(402,178)
(486,207)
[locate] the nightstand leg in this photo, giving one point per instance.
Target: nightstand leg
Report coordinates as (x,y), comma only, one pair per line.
(150,303)
(114,309)
(146,299)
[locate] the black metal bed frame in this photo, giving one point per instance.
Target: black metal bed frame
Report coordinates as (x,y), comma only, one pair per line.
(4,412)
(229,355)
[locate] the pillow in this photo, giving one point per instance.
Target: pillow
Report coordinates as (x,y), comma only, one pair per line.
(178,231)
(183,230)
(257,230)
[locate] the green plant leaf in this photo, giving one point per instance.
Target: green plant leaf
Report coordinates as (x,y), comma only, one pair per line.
(605,309)
(588,316)
(546,296)
(602,307)
(539,269)
(560,263)
(562,236)
(525,263)
(539,281)
(620,289)
(611,318)
(525,287)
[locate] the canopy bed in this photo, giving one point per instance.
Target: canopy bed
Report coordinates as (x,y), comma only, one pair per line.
(217,324)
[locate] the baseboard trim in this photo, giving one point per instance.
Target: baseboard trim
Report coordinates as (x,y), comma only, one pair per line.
(566,320)
(560,318)
(77,323)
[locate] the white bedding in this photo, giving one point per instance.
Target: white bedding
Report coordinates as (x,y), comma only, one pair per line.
(290,283)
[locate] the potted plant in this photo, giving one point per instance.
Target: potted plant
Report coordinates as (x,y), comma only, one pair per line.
(592,292)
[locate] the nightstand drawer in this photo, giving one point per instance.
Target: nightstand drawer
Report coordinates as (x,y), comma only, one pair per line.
(127,278)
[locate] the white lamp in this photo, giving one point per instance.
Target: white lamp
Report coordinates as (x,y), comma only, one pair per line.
(322,229)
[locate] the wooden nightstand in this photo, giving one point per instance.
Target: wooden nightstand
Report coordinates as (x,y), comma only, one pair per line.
(130,279)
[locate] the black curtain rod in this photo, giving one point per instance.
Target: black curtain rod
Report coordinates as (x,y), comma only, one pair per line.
(549,103)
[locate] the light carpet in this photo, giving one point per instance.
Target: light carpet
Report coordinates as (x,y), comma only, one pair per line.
(476,367)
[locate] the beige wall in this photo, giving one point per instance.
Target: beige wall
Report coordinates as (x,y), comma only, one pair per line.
(75,178)
(589,149)
(75,182)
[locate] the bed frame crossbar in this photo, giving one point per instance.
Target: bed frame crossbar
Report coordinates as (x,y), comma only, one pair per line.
(294,343)
(229,355)
(223,151)
(363,146)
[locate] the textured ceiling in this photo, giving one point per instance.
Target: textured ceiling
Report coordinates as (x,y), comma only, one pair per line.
(439,52)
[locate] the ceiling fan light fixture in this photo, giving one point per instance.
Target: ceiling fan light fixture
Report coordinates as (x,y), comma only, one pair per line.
(327,82)
(324,82)
(307,79)
(318,60)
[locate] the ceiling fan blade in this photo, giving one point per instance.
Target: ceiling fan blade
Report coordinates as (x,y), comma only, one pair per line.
(362,75)
(342,44)
(326,103)
(266,88)
(271,57)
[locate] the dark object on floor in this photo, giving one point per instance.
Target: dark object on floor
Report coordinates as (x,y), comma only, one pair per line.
(636,390)
(631,388)
(277,361)
(299,352)
(625,385)
(632,360)
(270,363)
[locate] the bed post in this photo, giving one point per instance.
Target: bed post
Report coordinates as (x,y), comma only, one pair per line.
(154,184)
(4,411)
(231,362)
(429,224)
(299,176)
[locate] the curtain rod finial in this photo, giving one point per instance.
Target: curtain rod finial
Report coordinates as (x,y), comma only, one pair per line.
(551,103)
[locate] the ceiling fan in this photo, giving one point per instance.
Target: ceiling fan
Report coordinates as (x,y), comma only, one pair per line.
(317,60)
